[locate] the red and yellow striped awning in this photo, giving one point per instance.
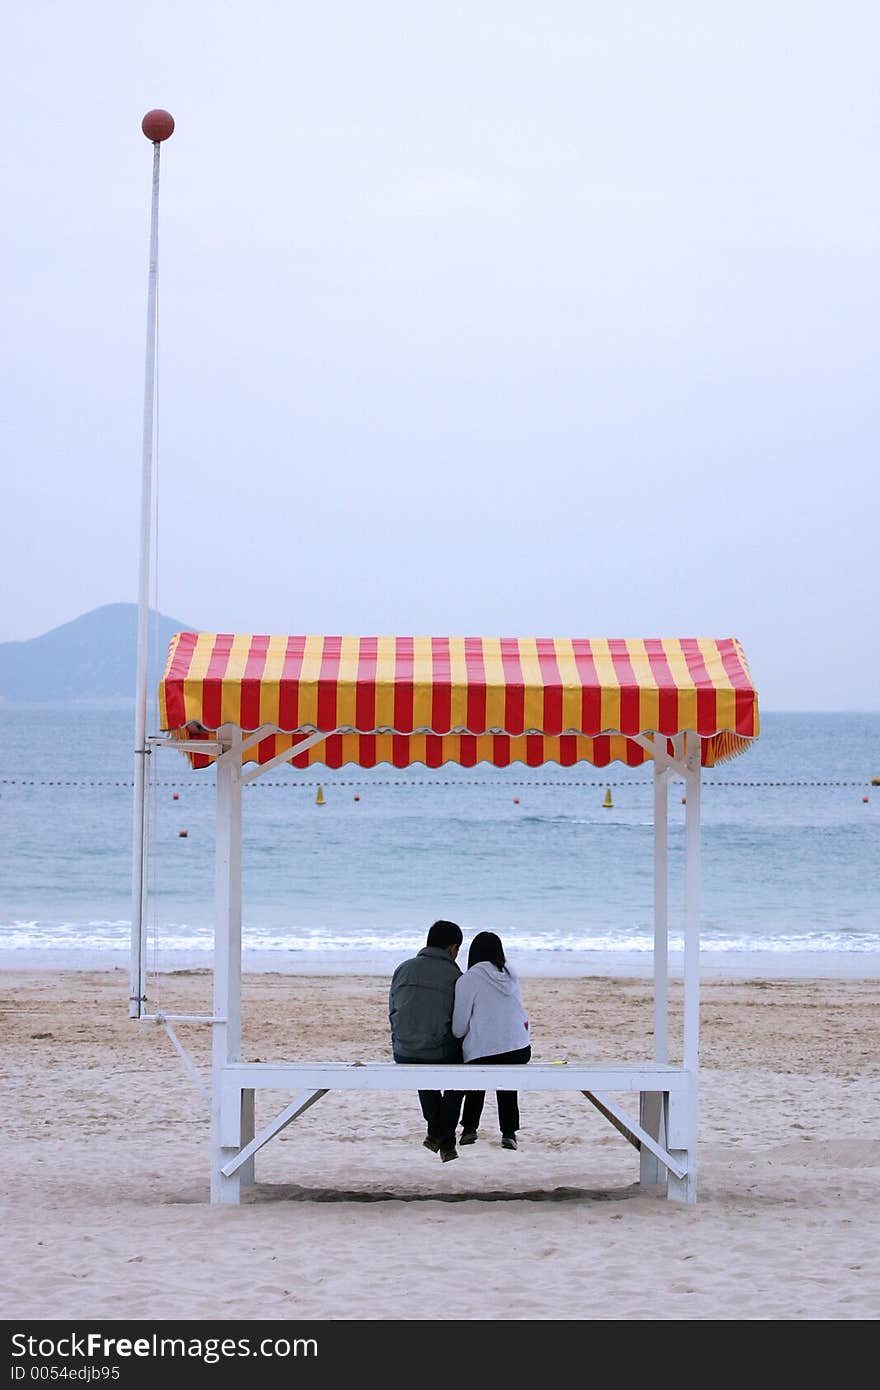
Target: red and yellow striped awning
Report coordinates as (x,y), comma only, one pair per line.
(466,700)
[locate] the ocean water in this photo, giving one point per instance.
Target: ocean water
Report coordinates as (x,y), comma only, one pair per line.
(791,875)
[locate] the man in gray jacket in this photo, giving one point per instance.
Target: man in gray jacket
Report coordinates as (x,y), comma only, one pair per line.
(420,1009)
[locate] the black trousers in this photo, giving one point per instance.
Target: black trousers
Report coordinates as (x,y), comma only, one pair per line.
(508,1104)
(440,1108)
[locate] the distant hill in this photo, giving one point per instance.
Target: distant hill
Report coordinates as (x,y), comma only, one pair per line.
(90,658)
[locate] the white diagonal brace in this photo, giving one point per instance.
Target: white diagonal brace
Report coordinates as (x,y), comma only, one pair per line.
(609,1115)
(249,740)
(634,1132)
(652,744)
(297,1106)
(186,1059)
(253,773)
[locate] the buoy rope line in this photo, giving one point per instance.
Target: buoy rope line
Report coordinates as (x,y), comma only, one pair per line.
(465,785)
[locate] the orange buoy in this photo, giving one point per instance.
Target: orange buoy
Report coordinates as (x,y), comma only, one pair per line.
(865,799)
(357,798)
(684,801)
(182,834)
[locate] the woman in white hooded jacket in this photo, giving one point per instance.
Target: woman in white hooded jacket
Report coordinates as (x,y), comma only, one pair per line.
(490,1020)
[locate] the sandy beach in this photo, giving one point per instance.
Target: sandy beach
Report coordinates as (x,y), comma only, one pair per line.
(105,1182)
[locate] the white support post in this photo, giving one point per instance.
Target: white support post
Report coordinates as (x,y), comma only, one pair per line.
(661,917)
(248,1177)
(137,992)
(226,1029)
(651,1106)
(684,1110)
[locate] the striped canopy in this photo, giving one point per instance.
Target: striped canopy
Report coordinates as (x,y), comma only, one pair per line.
(466,700)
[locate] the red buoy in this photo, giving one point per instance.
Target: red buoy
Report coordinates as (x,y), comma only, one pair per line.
(183,834)
(357,798)
(158,125)
(516,801)
(175,796)
(865,799)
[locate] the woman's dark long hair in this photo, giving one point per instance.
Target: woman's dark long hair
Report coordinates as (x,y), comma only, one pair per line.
(486,946)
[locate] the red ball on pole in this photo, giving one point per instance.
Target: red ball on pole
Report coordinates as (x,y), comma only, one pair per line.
(158,125)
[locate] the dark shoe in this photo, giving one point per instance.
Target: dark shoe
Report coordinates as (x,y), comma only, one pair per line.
(432,1144)
(468,1136)
(447,1155)
(508,1141)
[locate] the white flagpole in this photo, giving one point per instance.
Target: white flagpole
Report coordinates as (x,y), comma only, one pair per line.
(157,126)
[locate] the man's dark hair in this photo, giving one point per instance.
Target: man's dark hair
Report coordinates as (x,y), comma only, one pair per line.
(444,934)
(486,946)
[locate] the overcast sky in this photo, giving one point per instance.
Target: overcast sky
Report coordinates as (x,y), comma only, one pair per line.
(476,318)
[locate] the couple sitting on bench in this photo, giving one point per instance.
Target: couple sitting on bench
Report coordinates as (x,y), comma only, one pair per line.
(439,1014)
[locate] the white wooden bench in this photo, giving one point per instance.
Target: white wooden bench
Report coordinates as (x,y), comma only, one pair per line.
(667,1102)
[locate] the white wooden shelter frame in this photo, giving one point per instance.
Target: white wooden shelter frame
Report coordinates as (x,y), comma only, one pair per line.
(666,1130)
(665,1133)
